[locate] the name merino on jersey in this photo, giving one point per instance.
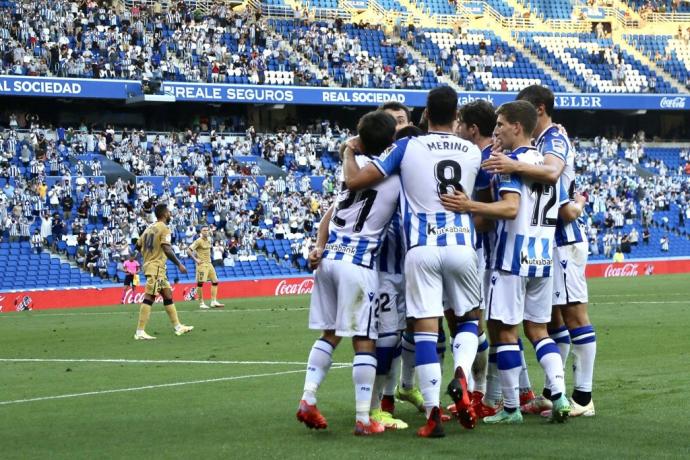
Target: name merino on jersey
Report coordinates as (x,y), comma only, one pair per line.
(523,245)
(554,142)
(430,166)
(360,219)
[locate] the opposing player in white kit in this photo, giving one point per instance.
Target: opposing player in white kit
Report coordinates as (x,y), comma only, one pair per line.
(346,283)
(440,258)
(570,319)
(521,263)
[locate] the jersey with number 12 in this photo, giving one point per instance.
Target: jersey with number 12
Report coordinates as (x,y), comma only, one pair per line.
(430,166)
(524,246)
(360,219)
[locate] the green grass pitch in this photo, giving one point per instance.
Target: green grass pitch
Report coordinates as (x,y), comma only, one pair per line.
(74,384)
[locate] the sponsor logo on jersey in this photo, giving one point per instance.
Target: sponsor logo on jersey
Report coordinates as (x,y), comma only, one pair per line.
(434,230)
(338,247)
(538,261)
(564,264)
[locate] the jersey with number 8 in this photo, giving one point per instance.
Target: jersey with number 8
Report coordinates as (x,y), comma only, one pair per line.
(430,166)
(523,245)
(359,220)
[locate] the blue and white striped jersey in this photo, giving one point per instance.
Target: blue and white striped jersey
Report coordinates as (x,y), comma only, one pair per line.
(524,245)
(483,182)
(392,253)
(555,142)
(360,220)
(429,166)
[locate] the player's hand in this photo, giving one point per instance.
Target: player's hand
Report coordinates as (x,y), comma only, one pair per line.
(182,268)
(315,258)
(355,144)
(499,163)
(458,202)
(580,199)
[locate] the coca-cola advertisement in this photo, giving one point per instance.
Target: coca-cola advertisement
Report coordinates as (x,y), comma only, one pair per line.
(269,287)
(637,268)
(93,297)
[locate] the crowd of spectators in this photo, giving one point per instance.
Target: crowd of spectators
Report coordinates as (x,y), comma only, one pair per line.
(621,197)
(96,223)
(110,40)
(207,181)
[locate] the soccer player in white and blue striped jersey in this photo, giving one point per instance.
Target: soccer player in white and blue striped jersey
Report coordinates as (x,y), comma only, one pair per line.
(346,282)
(570,319)
(476,123)
(521,263)
(440,257)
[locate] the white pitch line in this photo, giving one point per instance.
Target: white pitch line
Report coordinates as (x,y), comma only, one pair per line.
(152,361)
(149,387)
(653,302)
(205,312)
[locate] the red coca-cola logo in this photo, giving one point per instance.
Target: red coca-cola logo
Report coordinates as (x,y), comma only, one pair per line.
(131,297)
(625,270)
(304,287)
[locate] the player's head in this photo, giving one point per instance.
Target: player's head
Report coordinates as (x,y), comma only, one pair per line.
(408,131)
(476,120)
(162,213)
(399,111)
(540,97)
(204,231)
(515,123)
(376,130)
(442,106)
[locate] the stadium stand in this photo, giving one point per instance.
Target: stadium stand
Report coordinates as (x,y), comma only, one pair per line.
(593,64)
(550,9)
(60,218)
(672,53)
(484,55)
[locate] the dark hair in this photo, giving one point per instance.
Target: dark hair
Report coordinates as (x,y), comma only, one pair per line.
(160,209)
(521,112)
(441,105)
(408,131)
(538,95)
(376,131)
(480,113)
(397,106)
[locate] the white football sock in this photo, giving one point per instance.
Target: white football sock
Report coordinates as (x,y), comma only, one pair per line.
(318,364)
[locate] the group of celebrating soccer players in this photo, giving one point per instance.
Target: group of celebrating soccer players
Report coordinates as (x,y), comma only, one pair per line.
(473,218)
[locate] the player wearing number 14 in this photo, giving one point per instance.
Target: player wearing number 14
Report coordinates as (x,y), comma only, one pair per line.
(154,245)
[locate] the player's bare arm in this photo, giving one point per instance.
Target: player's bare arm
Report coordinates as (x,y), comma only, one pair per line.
(191,253)
(170,254)
(321,239)
(506,208)
(357,178)
(547,173)
(572,210)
